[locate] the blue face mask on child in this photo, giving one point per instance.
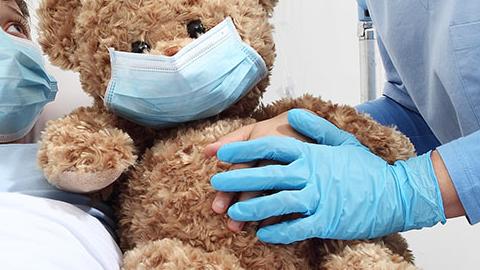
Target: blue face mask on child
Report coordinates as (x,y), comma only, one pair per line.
(201,80)
(25,86)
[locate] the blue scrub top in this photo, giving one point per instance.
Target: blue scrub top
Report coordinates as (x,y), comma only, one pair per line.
(19,173)
(431,53)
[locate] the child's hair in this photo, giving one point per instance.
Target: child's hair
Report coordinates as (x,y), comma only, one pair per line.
(23,8)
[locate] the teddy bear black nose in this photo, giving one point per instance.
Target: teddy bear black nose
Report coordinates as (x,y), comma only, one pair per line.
(140,47)
(195,28)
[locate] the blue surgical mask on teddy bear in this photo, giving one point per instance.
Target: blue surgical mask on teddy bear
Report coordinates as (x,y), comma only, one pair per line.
(201,80)
(25,86)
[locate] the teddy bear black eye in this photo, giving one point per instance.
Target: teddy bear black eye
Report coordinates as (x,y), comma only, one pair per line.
(195,28)
(140,47)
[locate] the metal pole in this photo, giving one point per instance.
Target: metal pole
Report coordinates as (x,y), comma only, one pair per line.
(366,37)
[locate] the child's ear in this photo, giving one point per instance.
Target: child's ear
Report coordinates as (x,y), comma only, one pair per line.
(269,5)
(56,31)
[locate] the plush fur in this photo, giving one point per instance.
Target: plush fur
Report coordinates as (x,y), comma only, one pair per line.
(164,202)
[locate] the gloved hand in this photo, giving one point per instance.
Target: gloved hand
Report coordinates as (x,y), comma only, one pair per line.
(343,190)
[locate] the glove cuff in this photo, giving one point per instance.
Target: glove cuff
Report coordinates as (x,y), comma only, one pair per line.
(421,193)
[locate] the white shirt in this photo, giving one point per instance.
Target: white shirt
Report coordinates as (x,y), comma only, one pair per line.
(38,233)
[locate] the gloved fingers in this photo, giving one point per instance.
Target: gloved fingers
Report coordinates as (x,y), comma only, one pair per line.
(278,204)
(289,231)
(319,129)
(279,219)
(223,200)
(282,149)
(237,226)
(273,177)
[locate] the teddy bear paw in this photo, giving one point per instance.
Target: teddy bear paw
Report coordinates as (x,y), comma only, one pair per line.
(86,182)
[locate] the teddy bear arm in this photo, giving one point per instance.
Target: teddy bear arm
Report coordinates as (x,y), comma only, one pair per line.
(84,151)
(174,254)
(366,256)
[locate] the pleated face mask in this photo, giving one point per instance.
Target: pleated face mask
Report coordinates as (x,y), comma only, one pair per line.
(25,86)
(201,80)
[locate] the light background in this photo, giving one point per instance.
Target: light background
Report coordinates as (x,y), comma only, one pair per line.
(318,53)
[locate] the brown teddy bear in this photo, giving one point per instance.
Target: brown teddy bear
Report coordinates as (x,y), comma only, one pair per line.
(164,202)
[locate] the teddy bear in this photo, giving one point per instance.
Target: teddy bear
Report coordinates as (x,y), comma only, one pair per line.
(155,155)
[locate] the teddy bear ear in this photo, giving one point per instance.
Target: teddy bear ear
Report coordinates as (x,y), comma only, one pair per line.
(56,31)
(269,5)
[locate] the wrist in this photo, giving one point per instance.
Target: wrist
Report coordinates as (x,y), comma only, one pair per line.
(451,202)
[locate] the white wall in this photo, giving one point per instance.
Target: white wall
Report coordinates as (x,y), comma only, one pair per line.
(317,50)
(318,53)
(450,246)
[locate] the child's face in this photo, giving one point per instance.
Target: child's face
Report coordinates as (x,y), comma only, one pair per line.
(12,20)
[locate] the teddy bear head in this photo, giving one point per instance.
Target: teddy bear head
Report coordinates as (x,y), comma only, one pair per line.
(77,34)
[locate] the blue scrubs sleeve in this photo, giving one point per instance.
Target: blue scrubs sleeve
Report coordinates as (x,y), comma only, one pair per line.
(461,159)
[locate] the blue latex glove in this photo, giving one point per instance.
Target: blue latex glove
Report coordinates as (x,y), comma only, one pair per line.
(343,190)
